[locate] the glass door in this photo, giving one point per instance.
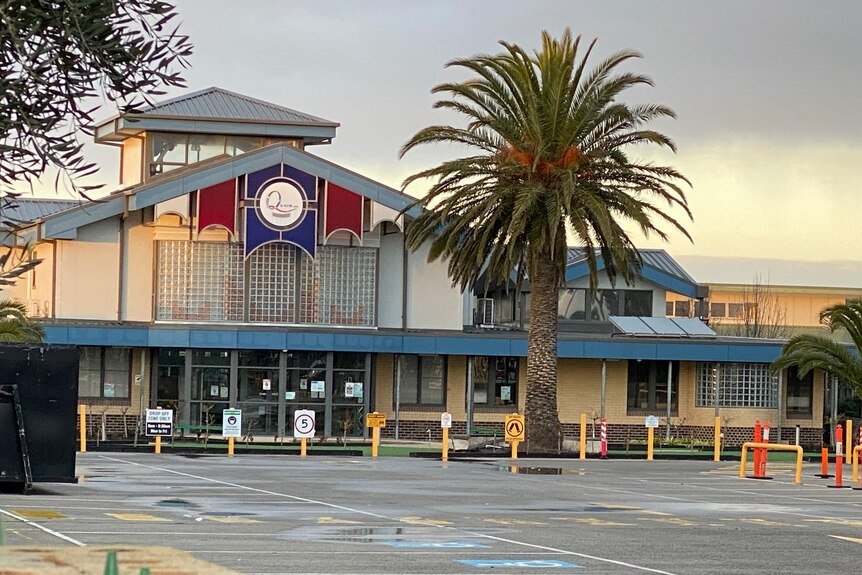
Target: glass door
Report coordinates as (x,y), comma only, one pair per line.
(349,394)
(259,391)
(307,387)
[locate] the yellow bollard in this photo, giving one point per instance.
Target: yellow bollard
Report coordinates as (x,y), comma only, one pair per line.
(230,446)
(514,450)
(82,411)
(848,441)
(303,445)
(716,439)
(445,444)
(375,440)
(649,442)
(583,454)
(158,444)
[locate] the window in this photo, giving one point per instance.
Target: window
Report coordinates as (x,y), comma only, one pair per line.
(647,387)
(422,379)
(734,310)
(668,309)
(495,381)
(717,310)
(104,373)
(800,391)
(682,309)
(738,385)
(171,374)
(609,302)
(572,304)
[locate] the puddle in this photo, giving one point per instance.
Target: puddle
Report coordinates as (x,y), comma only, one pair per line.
(538,470)
(351,534)
(227,514)
(175,503)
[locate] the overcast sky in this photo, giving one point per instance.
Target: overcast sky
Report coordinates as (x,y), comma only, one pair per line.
(767,94)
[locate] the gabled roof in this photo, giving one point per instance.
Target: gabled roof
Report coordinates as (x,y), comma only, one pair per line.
(64,225)
(658,268)
(219,111)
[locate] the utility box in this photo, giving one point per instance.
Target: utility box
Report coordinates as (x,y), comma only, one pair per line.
(38,413)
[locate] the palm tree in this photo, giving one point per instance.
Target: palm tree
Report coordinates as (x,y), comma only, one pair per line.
(549,143)
(807,351)
(15,326)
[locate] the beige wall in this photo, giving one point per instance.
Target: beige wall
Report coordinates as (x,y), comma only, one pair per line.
(139,393)
(88,273)
(138,264)
(132,162)
(432,302)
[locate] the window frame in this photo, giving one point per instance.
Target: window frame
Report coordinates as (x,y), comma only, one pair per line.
(101,398)
(488,407)
(419,405)
(796,383)
(652,388)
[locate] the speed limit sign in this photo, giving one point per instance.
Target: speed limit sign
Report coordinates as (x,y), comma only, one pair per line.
(303,423)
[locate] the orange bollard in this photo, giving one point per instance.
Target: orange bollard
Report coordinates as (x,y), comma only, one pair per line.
(839,457)
(824,463)
(761,471)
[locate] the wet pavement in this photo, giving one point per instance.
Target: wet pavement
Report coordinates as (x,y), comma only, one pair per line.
(282,514)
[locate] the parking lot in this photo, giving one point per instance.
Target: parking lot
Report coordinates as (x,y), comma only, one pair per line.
(337,514)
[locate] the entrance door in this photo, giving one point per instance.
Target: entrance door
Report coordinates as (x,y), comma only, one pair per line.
(259,387)
(307,388)
(210,395)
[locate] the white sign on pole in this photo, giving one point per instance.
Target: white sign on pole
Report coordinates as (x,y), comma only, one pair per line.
(445,420)
(159,422)
(231,423)
(303,423)
(651,421)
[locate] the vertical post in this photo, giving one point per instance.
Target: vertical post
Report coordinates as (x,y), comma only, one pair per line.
(470,388)
(111,565)
(303,446)
(848,455)
(780,403)
(839,455)
(515,449)
(375,440)
(716,439)
(445,448)
(650,434)
(158,444)
(230,446)
(758,437)
(604,438)
(669,398)
(761,471)
(824,463)
(398,390)
(583,442)
(797,434)
(604,384)
(82,411)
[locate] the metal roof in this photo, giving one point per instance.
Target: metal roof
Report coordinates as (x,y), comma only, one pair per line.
(220,104)
(656,258)
(26,210)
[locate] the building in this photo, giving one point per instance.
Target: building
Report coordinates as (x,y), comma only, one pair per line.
(234,267)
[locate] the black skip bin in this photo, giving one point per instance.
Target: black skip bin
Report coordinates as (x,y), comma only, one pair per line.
(38,413)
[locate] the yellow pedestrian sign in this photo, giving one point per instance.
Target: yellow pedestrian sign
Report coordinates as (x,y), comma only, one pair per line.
(514,427)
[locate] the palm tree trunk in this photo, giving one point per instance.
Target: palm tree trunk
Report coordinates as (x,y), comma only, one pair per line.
(542,418)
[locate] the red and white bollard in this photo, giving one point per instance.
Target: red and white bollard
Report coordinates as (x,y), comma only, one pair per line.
(758,437)
(761,470)
(859,439)
(604,438)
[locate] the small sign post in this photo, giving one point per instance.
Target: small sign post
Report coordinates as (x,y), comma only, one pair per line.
(303,427)
(651,423)
(515,431)
(231,427)
(159,423)
(376,421)
(445,424)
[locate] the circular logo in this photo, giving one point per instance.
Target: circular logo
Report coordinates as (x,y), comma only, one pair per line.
(231,420)
(281,204)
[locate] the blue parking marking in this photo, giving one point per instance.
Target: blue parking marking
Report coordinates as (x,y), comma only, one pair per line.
(435,544)
(524,564)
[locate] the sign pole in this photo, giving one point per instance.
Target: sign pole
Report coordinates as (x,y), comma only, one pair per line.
(583,454)
(649,441)
(375,439)
(158,444)
(230,446)
(303,446)
(514,449)
(445,424)
(445,444)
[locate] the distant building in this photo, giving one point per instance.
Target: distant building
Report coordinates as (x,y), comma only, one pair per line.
(235,268)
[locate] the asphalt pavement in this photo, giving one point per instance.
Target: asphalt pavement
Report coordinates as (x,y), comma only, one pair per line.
(265,514)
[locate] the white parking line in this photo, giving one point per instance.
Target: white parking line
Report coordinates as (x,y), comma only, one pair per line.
(42,528)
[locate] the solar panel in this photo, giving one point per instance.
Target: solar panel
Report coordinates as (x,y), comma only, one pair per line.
(631,325)
(693,326)
(663,326)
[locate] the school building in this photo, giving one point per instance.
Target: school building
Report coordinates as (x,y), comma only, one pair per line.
(234,267)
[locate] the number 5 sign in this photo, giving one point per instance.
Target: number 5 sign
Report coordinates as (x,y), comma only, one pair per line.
(303,423)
